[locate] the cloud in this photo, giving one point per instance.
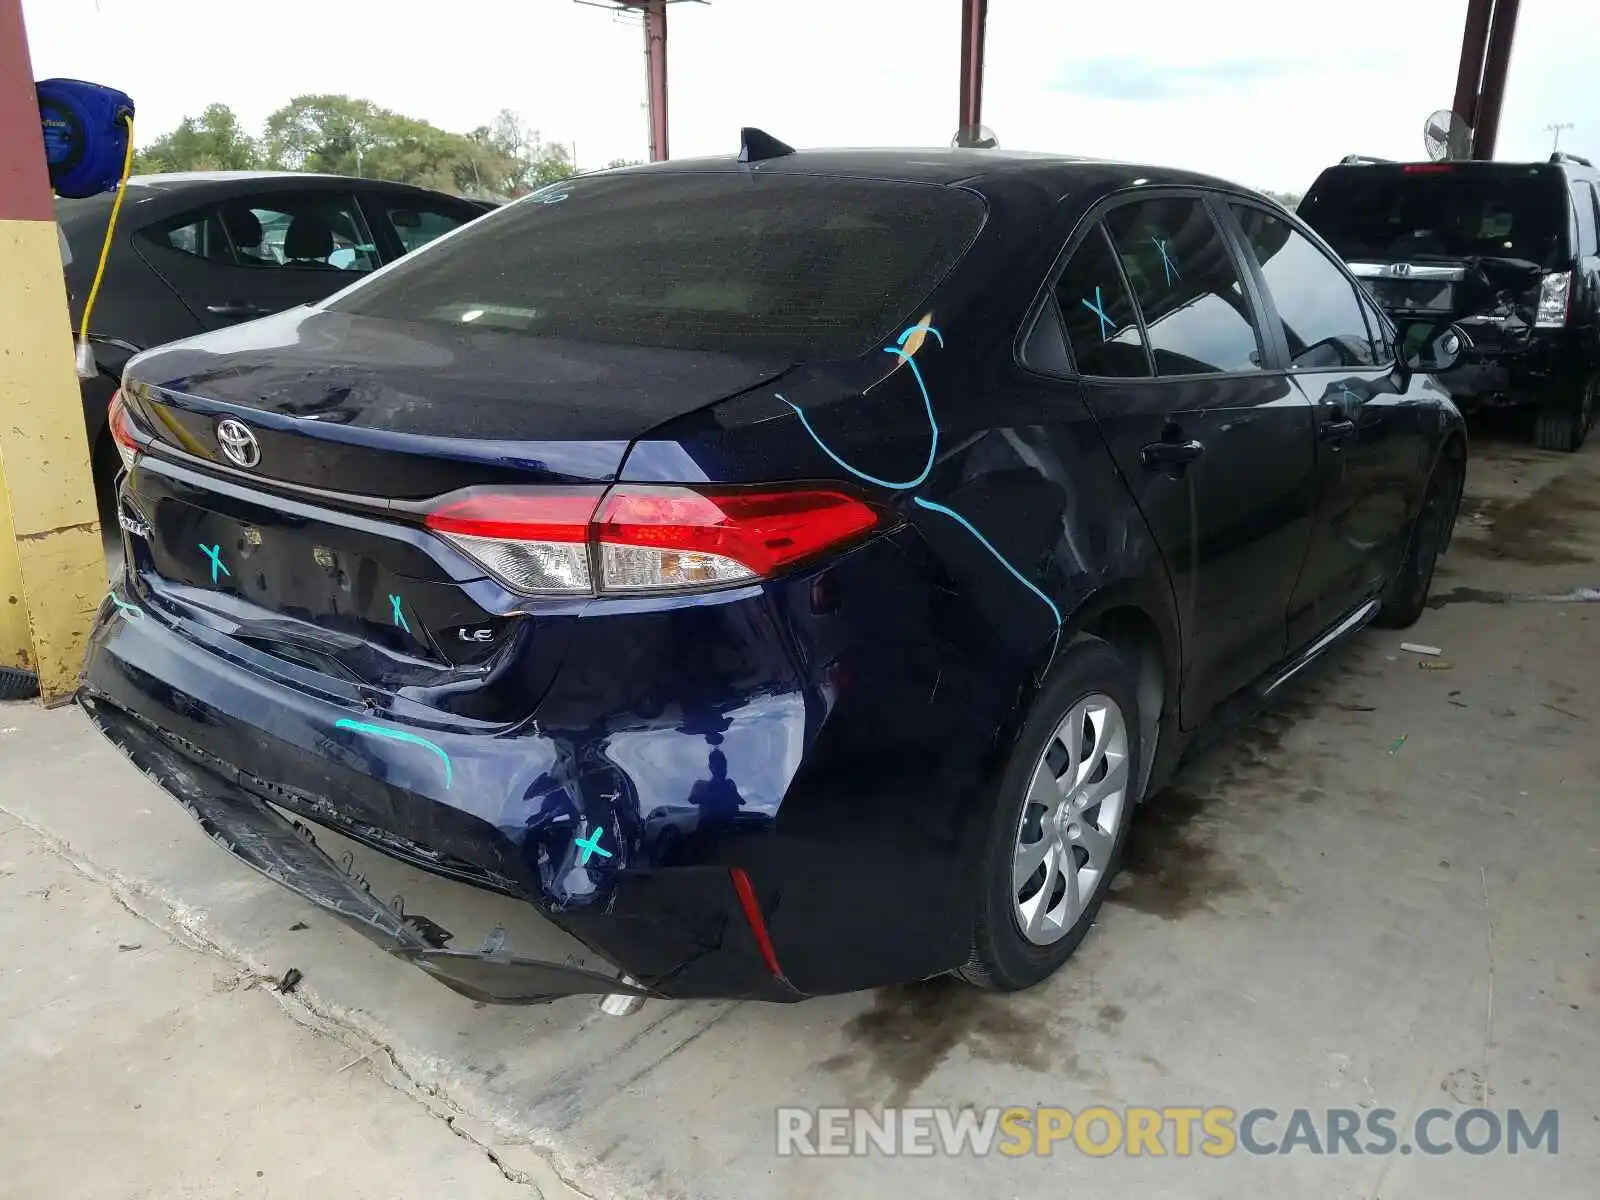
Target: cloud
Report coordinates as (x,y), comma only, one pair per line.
(1144,79)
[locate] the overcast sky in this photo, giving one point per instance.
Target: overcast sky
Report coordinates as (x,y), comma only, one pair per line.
(1265,93)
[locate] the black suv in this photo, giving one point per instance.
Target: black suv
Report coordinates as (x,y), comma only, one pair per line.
(1509,250)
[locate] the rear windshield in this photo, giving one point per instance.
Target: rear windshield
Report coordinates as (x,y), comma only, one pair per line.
(804,266)
(1395,215)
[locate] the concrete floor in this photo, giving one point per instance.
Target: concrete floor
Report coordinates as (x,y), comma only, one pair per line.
(1318,914)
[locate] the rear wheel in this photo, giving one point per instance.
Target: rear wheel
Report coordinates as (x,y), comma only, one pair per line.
(1408,590)
(1064,807)
(1565,429)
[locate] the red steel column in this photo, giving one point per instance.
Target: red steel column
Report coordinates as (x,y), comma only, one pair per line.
(974,17)
(1496,66)
(655,61)
(24,183)
(1469,74)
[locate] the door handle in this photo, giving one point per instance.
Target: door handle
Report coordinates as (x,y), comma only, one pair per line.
(238,310)
(1336,429)
(1163,456)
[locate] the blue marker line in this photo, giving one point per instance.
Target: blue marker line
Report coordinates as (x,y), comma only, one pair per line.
(133,611)
(932,449)
(1098,309)
(591,846)
(1168,267)
(927,405)
(397,735)
(214,553)
(1000,558)
(399,617)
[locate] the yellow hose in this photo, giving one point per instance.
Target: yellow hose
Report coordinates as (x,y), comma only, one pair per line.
(85,356)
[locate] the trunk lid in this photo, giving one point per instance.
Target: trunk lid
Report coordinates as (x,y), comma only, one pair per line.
(310,548)
(393,410)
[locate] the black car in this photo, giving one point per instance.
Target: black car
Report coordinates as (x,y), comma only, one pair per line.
(204,250)
(786,575)
(1510,250)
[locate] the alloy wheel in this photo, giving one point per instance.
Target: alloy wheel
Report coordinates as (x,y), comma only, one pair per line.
(1077,800)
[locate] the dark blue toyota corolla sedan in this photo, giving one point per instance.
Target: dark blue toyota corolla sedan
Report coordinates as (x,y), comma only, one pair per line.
(787,573)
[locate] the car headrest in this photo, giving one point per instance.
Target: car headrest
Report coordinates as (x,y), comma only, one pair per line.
(243,226)
(308,236)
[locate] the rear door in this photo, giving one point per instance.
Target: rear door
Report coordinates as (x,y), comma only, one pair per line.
(260,253)
(1369,452)
(1215,442)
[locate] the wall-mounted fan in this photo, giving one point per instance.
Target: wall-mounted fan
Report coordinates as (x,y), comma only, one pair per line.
(974,137)
(1447,136)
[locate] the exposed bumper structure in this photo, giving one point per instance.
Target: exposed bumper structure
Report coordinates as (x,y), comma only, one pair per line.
(259,793)
(286,852)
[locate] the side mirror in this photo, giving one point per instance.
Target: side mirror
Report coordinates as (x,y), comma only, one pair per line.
(1431,346)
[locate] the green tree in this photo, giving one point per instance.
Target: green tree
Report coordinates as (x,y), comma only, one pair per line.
(213,141)
(346,135)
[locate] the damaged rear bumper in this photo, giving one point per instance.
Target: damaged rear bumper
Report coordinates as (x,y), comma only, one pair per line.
(287,852)
(245,757)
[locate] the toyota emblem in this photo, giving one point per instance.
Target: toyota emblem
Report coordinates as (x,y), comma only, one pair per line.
(238,443)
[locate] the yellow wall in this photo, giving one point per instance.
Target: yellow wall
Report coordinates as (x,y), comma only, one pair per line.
(51,559)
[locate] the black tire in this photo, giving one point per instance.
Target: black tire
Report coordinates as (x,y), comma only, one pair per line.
(1565,429)
(18,685)
(1002,958)
(1407,594)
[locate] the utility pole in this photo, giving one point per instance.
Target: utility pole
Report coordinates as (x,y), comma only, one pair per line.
(1556,128)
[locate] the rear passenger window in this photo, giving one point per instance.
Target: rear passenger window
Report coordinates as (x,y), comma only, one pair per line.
(198,233)
(1316,301)
(415,225)
(1196,316)
(1097,313)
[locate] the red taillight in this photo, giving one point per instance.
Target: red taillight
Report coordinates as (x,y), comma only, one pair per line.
(546,516)
(121,427)
(1426,168)
(672,537)
(647,539)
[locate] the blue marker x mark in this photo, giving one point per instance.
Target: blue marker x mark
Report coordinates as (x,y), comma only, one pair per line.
(1168,267)
(214,553)
(399,617)
(1098,308)
(591,846)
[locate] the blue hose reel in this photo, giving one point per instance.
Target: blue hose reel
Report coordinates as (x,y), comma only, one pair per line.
(85,135)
